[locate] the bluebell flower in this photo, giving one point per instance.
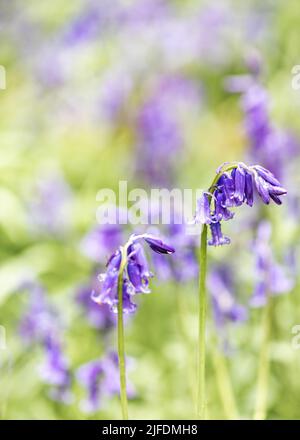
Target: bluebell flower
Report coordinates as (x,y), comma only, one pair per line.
(101,380)
(55,371)
(48,208)
(41,325)
(234,187)
(271,277)
(225,307)
(40,318)
(101,241)
(99,317)
(136,274)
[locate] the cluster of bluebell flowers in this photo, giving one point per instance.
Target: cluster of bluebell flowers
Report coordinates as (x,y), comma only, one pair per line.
(234,185)
(136,272)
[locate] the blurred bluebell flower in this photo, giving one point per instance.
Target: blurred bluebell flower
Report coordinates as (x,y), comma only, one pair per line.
(55,371)
(48,209)
(99,317)
(225,307)
(40,318)
(272,278)
(135,276)
(101,380)
(159,131)
(41,325)
(269,145)
(101,241)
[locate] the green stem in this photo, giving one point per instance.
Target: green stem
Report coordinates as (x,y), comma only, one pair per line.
(182,313)
(224,385)
(201,401)
(201,408)
(121,343)
(260,411)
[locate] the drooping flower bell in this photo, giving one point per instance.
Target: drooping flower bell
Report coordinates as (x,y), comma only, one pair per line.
(136,273)
(235,185)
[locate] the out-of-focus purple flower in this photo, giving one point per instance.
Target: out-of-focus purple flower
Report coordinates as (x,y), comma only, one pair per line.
(255,106)
(41,324)
(48,209)
(101,241)
(159,131)
(85,26)
(101,380)
(99,317)
(269,145)
(272,278)
(232,189)
(114,94)
(55,371)
(136,273)
(40,319)
(225,307)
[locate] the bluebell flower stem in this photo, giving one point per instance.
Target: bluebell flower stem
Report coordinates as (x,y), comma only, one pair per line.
(201,407)
(121,342)
(224,385)
(260,411)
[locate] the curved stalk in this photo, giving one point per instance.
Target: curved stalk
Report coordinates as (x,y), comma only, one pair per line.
(201,408)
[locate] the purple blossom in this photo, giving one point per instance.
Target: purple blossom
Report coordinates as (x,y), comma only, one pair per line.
(136,274)
(159,131)
(232,190)
(48,208)
(225,307)
(272,278)
(99,317)
(101,241)
(217,238)
(55,371)
(101,380)
(269,145)
(40,318)
(41,324)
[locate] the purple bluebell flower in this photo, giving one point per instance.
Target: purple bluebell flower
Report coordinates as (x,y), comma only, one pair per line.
(83,27)
(99,317)
(41,325)
(225,307)
(90,376)
(40,318)
(55,371)
(269,145)
(217,238)
(101,241)
(272,278)
(232,190)
(48,208)
(136,274)
(159,132)
(101,380)
(203,214)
